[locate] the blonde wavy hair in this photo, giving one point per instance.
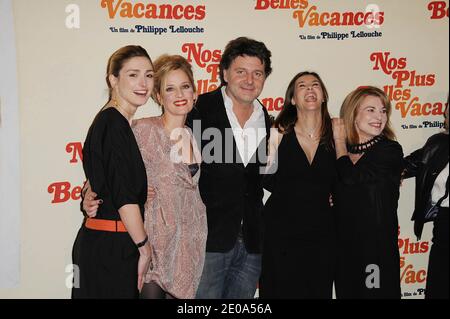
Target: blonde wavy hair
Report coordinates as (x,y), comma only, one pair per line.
(350,108)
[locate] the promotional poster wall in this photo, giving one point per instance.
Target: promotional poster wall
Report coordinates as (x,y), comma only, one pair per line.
(61,51)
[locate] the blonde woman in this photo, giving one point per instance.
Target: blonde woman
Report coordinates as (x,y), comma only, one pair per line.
(175,219)
(175,216)
(369,165)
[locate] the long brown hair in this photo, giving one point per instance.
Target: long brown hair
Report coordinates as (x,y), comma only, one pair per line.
(349,110)
(287,118)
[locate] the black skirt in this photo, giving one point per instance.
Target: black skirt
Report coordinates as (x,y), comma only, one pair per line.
(105,265)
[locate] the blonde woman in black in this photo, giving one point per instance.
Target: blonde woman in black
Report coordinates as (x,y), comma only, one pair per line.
(369,165)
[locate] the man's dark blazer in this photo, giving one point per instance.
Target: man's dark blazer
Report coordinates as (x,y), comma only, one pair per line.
(231,191)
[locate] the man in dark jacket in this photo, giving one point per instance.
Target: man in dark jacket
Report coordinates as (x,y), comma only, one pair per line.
(233,129)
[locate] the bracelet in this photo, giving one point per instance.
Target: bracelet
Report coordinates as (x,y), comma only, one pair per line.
(142,243)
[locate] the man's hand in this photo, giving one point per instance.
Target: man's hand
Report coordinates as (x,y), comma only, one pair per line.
(90,203)
(151,194)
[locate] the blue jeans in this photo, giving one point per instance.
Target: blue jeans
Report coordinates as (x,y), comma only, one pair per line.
(231,275)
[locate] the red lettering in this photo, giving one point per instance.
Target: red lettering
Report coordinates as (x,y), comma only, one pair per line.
(387,64)
(438,108)
(151,11)
(203,86)
(189,12)
(200,12)
(421,276)
(196,53)
(414,79)
(206,56)
(178,12)
(431,79)
(272,104)
(369,19)
(397,94)
(404,110)
(281,4)
(112,10)
(402,262)
(278,104)
(415,108)
(213,69)
(359,18)
(323,17)
(217,55)
(425,109)
(77,151)
(301,17)
(401,76)
(165,11)
(262,4)
(380,17)
(424,247)
(62,192)
(138,10)
(437,9)
(76,193)
(193,52)
(127,10)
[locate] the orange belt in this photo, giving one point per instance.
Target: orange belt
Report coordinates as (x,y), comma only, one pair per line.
(105,225)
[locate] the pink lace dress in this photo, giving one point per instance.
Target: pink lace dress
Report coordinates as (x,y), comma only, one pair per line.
(175,220)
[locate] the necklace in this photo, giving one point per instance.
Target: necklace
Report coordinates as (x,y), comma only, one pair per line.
(363,147)
(312,134)
(121,110)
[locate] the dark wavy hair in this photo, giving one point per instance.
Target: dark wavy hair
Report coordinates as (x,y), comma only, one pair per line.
(287,118)
(245,46)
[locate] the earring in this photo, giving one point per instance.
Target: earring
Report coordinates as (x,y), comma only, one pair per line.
(114,101)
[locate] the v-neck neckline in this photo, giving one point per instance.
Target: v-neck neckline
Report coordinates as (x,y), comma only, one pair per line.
(299,145)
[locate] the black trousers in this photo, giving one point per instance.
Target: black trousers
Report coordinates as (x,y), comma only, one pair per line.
(437,286)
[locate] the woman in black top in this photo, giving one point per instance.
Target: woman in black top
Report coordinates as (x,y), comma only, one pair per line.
(429,165)
(111,251)
(366,199)
(297,259)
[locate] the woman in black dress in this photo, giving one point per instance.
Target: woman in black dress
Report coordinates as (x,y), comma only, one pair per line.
(366,199)
(297,259)
(111,250)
